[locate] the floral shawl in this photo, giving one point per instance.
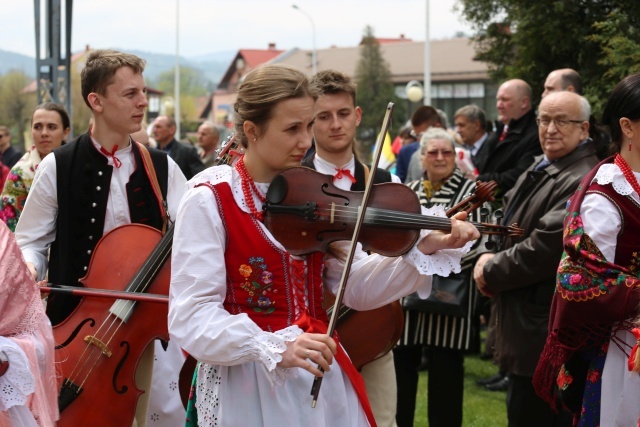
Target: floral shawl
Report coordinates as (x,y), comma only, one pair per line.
(17,186)
(592,295)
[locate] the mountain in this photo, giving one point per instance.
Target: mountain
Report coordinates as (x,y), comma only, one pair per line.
(16,61)
(212,65)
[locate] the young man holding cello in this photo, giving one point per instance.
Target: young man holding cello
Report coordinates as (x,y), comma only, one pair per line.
(336,119)
(99,181)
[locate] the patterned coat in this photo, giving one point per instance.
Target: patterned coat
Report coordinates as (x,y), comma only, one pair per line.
(17,186)
(423,328)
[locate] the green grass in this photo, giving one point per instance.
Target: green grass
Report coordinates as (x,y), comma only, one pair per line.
(481,408)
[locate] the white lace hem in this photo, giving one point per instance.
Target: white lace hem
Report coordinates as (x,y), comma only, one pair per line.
(271,346)
(18,382)
(442,262)
(610,173)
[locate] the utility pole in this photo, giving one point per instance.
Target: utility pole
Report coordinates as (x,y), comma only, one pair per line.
(53,63)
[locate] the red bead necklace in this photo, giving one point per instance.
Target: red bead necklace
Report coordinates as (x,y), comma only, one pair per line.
(627,172)
(248,189)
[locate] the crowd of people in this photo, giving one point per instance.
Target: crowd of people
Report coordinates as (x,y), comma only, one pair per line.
(560,300)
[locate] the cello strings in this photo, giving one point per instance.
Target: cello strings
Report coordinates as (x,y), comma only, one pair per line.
(140,284)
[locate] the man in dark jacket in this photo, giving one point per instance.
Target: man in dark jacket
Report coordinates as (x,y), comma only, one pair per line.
(521,277)
(9,156)
(186,156)
(510,151)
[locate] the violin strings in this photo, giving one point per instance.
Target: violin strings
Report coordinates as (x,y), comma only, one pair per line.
(387,217)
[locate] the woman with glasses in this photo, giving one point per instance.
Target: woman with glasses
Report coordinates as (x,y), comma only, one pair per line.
(598,282)
(50,127)
(447,337)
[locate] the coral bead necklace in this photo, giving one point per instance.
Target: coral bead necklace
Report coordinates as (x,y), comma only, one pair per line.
(627,172)
(248,189)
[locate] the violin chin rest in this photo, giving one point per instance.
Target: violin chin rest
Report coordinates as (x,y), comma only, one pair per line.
(277,190)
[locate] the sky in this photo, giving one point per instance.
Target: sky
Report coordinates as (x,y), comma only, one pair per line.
(208,26)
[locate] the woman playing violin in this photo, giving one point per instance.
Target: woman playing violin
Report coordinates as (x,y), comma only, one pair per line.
(249,311)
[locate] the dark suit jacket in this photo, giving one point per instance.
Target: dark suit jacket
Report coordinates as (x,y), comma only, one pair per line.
(186,157)
(507,159)
(10,157)
(480,159)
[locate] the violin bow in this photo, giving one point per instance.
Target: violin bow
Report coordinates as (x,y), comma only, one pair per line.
(317,381)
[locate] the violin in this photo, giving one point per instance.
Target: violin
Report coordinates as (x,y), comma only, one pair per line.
(306,212)
(368,335)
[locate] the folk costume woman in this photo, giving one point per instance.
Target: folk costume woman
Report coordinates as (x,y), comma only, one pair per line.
(50,126)
(250,312)
(29,392)
(598,287)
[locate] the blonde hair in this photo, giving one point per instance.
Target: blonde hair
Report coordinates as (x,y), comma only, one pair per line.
(262,89)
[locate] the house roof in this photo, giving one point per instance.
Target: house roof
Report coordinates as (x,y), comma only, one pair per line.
(451,60)
(255,57)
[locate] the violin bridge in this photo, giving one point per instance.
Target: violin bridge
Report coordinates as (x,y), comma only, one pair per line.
(102,346)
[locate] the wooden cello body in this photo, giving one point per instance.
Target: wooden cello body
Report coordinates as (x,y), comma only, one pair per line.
(97,350)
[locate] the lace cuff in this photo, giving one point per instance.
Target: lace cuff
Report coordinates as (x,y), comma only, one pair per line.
(18,382)
(271,346)
(442,262)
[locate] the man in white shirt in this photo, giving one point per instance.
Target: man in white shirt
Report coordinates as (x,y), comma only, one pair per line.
(96,183)
(334,130)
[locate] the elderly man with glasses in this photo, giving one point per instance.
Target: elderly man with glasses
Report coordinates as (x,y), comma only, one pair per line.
(521,278)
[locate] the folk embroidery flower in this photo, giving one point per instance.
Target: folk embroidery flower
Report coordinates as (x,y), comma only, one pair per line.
(258,282)
(564,378)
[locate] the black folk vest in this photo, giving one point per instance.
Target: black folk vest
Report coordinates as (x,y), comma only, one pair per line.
(83,180)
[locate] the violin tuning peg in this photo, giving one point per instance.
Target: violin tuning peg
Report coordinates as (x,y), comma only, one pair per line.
(484,214)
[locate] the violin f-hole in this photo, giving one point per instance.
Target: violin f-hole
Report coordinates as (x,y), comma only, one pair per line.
(119,366)
(75,332)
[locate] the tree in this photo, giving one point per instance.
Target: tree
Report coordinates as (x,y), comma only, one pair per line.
(375,91)
(528,39)
(15,105)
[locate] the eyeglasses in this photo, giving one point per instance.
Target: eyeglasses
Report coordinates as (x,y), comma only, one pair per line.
(445,153)
(560,123)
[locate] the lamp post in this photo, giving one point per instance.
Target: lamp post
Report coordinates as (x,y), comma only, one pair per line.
(176,82)
(414,93)
(314,54)
(427,61)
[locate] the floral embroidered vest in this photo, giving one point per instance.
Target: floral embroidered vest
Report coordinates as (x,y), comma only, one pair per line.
(263,281)
(627,244)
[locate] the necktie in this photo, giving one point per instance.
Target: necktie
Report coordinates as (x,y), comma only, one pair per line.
(342,173)
(116,161)
(543,164)
(503,135)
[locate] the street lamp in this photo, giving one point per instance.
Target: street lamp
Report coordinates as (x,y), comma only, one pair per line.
(314,58)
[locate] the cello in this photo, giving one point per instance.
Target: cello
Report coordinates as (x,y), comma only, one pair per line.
(100,345)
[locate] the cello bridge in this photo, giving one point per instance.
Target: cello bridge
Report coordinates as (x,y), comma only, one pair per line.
(102,346)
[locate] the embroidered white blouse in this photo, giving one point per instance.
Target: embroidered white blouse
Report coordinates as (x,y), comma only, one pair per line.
(239,383)
(620,388)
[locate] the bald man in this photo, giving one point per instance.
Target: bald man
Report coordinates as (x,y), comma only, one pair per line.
(511,151)
(521,277)
(563,79)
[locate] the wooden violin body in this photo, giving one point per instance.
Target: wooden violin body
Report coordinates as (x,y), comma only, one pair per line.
(97,352)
